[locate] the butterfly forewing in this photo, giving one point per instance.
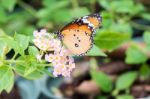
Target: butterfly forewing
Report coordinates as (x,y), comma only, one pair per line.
(75,26)
(96,23)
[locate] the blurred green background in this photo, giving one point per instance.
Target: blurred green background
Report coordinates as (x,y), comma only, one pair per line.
(124,22)
(25,16)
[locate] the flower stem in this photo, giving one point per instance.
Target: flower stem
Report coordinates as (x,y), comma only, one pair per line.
(45,64)
(14,61)
(74,4)
(140,26)
(28,8)
(92,5)
(14,56)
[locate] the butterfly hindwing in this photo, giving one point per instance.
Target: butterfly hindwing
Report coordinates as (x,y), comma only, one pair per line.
(78,42)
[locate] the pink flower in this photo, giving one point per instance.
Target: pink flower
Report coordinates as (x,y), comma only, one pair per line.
(49,57)
(64,67)
(66,73)
(43,40)
(55,53)
(56,72)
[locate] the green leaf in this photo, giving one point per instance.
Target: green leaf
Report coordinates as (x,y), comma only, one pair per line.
(10,42)
(126,80)
(125,97)
(135,55)
(2,33)
(22,41)
(123,6)
(107,19)
(8,4)
(33,51)
(79,12)
(2,48)
(101,97)
(49,4)
(145,16)
(93,63)
(104,4)
(30,65)
(65,16)
(20,69)
(46,71)
(6,79)
(3,16)
(145,71)
(121,27)
(102,80)
(95,51)
(19,43)
(146,37)
(110,40)
(29,69)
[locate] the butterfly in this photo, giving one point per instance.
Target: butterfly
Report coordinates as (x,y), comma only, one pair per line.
(77,36)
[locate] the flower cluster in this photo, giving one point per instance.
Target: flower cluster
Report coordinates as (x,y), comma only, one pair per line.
(55,53)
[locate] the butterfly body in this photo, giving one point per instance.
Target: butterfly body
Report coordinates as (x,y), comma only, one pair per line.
(78,35)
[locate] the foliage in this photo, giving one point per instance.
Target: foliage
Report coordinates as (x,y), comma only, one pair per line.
(95,51)
(5,73)
(25,65)
(102,80)
(18,19)
(135,55)
(110,41)
(125,80)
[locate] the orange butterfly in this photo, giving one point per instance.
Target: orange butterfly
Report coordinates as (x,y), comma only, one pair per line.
(78,35)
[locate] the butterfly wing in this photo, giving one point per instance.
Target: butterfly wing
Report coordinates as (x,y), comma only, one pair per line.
(78,35)
(95,19)
(75,26)
(78,42)
(87,23)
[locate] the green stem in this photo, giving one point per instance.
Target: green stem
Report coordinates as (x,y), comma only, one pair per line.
(93,5)
(45,65)
(93,63)
(115,92)
(14,61)
(11,67)
(14,56)
(75,3)
(140,26)
(28,8)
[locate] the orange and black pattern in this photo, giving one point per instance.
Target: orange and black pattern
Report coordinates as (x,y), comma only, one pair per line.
(78,35)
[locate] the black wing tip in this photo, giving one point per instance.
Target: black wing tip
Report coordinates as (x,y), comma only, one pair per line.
(97,15)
